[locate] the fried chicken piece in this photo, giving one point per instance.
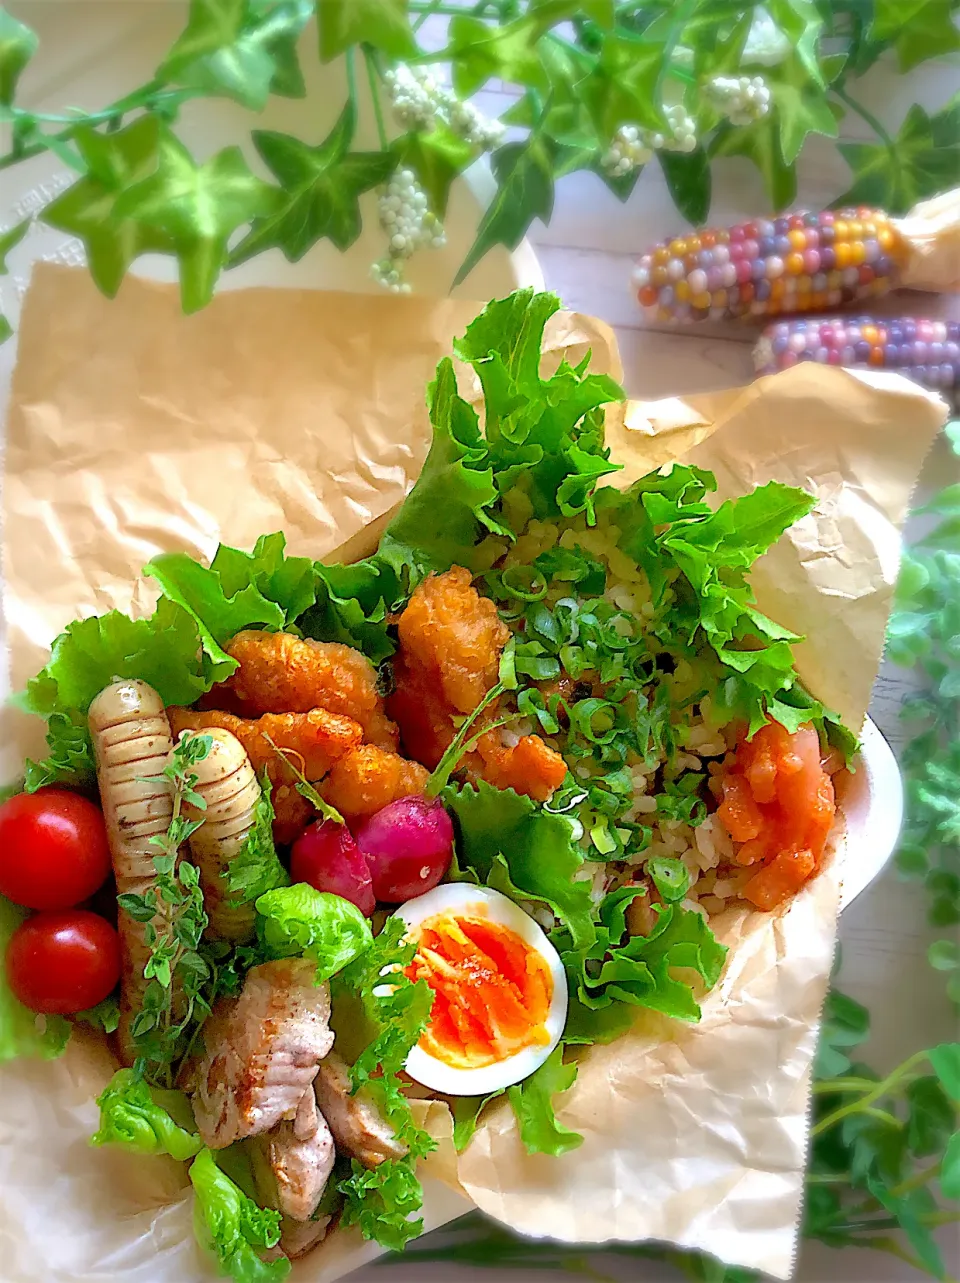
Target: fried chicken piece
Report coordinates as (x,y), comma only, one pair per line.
(419,708)
(356,1123)
(451,640)
(262,1051)
(530,766)
(318,739)
(280,673)
(454,636)
(366,779)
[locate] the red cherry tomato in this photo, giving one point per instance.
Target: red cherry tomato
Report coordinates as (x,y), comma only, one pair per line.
(53,849)
(63,961)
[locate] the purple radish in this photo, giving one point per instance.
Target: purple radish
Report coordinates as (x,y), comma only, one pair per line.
(327,857)
(408,847)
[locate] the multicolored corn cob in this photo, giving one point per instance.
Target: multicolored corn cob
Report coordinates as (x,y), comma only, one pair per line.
(926,351)
(796,263)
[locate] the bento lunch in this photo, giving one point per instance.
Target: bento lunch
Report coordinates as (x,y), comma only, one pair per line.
(416,827)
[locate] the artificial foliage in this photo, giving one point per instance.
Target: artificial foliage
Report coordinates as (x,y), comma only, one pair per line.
(602,86)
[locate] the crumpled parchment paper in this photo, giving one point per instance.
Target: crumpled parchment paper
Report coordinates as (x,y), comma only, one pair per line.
(133,431)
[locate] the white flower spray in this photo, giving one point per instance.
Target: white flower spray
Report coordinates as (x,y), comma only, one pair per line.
(419,102)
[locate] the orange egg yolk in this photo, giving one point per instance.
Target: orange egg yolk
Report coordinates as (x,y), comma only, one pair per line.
(491,990)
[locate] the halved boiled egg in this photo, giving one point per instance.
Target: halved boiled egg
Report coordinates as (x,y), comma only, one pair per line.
(499,990)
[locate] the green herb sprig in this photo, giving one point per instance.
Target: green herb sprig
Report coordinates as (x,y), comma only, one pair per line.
(605,87)
(174,917)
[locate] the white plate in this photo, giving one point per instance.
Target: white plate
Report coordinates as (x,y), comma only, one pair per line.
(873,806)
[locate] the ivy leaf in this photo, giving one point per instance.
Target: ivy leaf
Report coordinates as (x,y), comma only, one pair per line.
(923,161)
(802,107)
(760,143)
(478,52)
(524,173)
(381,23)
(233,47)
(199,207)
(88,209)
(18,44)
(9,240)
(437,158)
(918,29)
(321,191)
(930,33)
(623,85)
(803,23)
(688,178)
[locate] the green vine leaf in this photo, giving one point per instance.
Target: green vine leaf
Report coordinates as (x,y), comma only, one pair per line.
(384,24)
(801,104)
(437,158)
(623,85)
(9,240)
(479,52)
(199,207)
(242,49)
(525,188)
(924,159)
(688,178)
(18,44)
(321,191)
(918,29)
(88,209)
(803,23)
(931,33)
(761,144)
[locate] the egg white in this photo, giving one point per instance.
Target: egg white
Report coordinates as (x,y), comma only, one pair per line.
(437,1074)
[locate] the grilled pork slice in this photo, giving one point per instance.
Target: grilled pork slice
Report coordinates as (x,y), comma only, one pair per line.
(355,1121)
(297,1238)
(262,1052)
(293,1162)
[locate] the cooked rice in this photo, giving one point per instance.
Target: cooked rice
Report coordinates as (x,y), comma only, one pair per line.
(704,848)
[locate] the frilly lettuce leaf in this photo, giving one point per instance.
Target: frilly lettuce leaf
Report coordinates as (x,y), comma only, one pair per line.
(238,590)
(383,1202)
(532,1102)
(510,843)
(90,654)
(378,1016)
(132,1118)
(353,604)
(329,930)
(639,969)
(22,1032)
(232,1226)
(544,435)
(256,868)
